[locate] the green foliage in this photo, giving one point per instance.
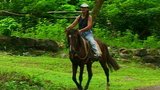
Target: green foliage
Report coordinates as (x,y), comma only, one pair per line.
(151,42)
(140,16)
(43,5)
(46,30)
(55,32)
(121,23)
(7,25)
(126,39)
(15,5)
(67,7)
(33,6)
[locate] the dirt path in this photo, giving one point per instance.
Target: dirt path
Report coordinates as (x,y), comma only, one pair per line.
(150,88)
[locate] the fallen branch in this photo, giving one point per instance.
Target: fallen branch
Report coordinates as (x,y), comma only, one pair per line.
(4,13)
(63,12)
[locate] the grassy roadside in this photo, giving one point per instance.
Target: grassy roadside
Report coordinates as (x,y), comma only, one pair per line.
(47,73)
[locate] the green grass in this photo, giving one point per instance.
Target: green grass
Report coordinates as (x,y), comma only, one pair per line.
(48,73)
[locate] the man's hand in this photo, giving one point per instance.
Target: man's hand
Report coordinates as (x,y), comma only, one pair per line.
(81,31)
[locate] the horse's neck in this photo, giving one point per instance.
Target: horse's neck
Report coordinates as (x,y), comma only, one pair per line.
(83,48)
(81,45)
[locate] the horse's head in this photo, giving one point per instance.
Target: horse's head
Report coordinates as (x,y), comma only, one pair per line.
(73,37)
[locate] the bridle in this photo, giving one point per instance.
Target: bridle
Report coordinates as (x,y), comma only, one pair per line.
(75,39)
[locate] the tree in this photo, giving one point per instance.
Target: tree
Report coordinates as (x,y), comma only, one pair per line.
(73,2)
(139,16)
(96,9)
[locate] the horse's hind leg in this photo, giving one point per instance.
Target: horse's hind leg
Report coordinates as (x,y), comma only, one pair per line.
(106,70)
(74,71)
(89,69)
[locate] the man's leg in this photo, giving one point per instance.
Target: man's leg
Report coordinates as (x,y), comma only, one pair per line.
(94,46)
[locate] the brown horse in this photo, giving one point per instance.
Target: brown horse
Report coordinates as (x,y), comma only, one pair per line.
(80,54)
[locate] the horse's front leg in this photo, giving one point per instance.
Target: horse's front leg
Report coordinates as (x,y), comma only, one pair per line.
(90,74)
(74,71)
(81,76)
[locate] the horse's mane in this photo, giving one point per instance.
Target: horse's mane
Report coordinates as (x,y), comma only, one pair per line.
(72,32)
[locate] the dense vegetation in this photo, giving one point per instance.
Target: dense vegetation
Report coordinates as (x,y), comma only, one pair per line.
(130,23)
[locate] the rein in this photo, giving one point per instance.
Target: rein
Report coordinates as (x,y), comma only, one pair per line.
(85,48)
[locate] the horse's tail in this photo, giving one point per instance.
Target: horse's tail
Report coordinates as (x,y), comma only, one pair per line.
(112,64)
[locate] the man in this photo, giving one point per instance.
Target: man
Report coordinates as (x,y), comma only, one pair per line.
(85,27)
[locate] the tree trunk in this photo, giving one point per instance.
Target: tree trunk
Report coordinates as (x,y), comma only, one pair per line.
(96,9)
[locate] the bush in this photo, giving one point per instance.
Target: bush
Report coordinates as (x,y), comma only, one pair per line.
(140,16)
(126,39)
(151,42)
(46,30)
(8,25)
(117,39)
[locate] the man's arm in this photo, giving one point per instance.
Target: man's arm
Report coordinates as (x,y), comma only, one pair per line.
(75,22)
(89,26)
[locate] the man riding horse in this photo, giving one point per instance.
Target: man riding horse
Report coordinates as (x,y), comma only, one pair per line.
(80,53)
(85,28)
